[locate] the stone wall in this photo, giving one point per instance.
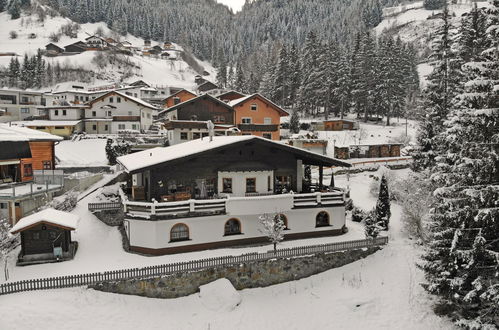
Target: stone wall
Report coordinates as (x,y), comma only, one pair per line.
(243,276)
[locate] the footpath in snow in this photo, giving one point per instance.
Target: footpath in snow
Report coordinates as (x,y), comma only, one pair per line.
(381,291)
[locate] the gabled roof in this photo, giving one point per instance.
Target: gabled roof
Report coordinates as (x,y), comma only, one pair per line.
(242,100)
(208,83)
(241,95)
(19,133)
(131,98)
(48,216)
(57,46)
(156,157)
(177,106)
(176,93)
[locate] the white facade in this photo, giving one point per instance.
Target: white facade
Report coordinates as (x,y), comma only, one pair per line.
(66,113)
(263,182)
(19,104)
(152,234)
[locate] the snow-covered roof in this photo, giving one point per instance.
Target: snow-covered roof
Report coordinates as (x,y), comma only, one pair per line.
(18,133)
(238,101)
(49,216)
(35,123)
(155,156)
(136,100)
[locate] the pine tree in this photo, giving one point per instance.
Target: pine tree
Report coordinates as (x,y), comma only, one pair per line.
(222,75)
(294,74)
(461,262)
(240,81)
(294,122)
(15,9)
(280,89)
(382,211)
(14,71)
(443,85)
(371,225)
(310,70)
(434,4)
(3,5)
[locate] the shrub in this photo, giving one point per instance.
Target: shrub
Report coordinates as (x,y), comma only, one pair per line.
(13,35)
(54,37)
(358,214)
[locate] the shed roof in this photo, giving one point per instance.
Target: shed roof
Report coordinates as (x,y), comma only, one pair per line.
(50,216)
(136,162)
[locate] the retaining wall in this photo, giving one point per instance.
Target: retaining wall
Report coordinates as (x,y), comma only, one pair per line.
(242,276)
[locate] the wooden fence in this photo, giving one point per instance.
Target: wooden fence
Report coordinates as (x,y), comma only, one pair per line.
(104,206)
(182,267)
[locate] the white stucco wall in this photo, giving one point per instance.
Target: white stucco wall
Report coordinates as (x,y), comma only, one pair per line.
(71,114)
(239,181)
(156,234)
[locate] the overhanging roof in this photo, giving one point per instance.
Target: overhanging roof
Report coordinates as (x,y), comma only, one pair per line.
(14,150)
(157,157)
(201,97)
(48,216)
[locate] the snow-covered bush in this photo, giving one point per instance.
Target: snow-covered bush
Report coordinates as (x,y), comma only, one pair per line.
(358,214)
(13,35)
(116,148)
(382,210)
(66,202)
(371,226)
(273,227)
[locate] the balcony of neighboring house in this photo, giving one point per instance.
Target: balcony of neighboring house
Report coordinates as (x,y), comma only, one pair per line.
(258,127)
(126,118)
(44,181)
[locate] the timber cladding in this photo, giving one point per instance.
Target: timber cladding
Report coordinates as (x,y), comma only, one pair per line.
(42,153)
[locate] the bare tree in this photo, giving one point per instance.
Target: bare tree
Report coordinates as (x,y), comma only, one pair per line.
(273,227)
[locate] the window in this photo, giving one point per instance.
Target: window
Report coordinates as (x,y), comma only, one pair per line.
(24,110)
(267,135)
(134,126)
(111,99)
(86,98)
(250,185)
(52,235)
(246,120)
(36,236)
(196,135)
(176,100)
(179,232)
(94,113)
(3,206)
(283,218)
(106,127)
(227,185)
(134,94)
(254,107)
(204,134)
(322,219)
(64,112)
(94,127)
(269,183)
(28,170)
(267,121)
(59,127)
(24,99)
(130,113)
(56,112)
(183,136)
(149,115)
(232,227)
(218,119)
(118,99)
(121,126)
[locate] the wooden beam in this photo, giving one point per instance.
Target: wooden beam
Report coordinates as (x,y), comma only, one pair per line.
(321,176)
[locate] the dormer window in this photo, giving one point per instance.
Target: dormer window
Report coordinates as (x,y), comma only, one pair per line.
(254,107)
(111,100)
(176,100)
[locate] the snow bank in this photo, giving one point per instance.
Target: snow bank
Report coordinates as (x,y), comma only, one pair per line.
(220,296)
(88,152)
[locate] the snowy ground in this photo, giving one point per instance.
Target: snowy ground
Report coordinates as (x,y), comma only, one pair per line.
(380,292)
(82,153)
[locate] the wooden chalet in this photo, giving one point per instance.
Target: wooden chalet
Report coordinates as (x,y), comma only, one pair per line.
(53,49)
(46,237)
(230,96)
(201,190)
(206,87)
(203,108)
(96,43)
(340,125)
(77,47)
(178,97)
(257,115)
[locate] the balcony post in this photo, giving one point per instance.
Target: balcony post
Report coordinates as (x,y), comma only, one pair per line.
(153,207)
(321,177)
(299,175)
(192,205)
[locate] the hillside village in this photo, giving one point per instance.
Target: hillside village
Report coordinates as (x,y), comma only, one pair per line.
(151,181)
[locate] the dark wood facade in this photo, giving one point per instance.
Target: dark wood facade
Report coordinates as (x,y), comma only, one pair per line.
(42,238)
(205,108)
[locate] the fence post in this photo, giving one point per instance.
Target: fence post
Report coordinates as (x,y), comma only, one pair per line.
(192,205)
(319,199)
(153,207)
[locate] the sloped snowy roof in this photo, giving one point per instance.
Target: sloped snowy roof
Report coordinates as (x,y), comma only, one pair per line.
(50,216)
(131,98)
(236,102)
(151,157)
(35,123)
(18,133)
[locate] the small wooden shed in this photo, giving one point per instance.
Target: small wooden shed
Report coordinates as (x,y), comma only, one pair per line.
(46,237)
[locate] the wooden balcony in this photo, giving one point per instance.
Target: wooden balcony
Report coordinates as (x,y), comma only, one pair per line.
(126,118)
(257,128)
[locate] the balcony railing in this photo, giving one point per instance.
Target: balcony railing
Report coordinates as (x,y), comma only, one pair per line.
(230,205)
(257,128)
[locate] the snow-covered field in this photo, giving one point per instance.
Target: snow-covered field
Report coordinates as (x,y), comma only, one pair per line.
(380,292)
(155,71)
(83,153)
